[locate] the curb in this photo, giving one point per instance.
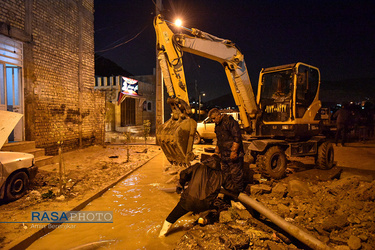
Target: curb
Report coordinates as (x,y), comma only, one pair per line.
(27,240)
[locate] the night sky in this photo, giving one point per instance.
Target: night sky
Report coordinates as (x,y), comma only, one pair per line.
(336,36)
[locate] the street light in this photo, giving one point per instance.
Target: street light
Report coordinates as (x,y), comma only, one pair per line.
(199,104)
(178,22)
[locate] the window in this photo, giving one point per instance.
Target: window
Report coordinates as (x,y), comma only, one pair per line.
(13,75)
(147,106)
(307,85)
(277,84)
(277,92)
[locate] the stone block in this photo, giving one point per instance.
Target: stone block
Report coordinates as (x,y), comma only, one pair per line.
(260,189)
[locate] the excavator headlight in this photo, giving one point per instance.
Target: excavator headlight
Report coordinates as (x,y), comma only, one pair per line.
(287,127)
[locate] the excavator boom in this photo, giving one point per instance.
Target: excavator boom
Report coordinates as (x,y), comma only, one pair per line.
(175,136)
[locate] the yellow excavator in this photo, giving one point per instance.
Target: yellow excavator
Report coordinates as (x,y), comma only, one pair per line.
(283,120)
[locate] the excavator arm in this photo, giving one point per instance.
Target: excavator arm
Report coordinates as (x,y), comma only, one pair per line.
(177,134)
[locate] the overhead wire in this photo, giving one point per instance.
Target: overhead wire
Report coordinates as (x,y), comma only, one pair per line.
(118,45)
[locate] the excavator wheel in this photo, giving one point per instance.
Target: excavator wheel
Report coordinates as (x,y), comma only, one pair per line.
(325,156)
(273,163)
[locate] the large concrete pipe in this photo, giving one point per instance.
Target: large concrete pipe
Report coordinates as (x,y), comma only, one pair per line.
(293,230)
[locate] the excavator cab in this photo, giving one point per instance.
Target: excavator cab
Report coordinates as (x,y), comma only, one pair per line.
(288,96)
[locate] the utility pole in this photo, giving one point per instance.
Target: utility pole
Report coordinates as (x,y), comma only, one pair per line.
(80,69)
(159,81)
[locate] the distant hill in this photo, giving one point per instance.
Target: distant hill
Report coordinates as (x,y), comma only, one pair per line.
(351,90)
(106,67)
(222,102)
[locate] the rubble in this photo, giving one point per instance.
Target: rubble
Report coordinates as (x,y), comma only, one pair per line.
(334,206)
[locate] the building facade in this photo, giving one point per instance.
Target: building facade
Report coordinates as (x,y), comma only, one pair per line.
(129,102)
(47,72)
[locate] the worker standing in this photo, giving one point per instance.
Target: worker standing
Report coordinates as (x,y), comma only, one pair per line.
(342,123)
(230,149)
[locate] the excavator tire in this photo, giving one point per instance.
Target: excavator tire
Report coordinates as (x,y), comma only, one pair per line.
(274,163)
(325,156)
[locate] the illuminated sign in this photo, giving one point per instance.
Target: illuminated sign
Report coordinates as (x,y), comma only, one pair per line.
(129,86)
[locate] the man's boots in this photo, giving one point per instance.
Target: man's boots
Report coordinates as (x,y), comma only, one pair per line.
(164,229)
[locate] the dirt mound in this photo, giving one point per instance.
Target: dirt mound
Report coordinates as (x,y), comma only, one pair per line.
(335,206)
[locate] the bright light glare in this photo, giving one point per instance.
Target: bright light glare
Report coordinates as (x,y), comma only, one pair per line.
(178,22)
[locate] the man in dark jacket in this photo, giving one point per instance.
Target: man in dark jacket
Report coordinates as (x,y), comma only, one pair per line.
(342,122)
(230,148)
(204,183)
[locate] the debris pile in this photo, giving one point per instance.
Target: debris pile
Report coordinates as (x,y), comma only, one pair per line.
(336,207)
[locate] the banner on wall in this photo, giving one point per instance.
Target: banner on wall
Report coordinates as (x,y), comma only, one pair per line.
(128,87)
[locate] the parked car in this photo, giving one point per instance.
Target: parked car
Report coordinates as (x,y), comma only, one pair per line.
(16,168)
(206,129)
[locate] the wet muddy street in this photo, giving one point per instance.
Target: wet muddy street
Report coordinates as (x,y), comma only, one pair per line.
(139,209)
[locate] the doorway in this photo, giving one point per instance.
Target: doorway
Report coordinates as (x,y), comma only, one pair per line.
(128,112)
(11,82)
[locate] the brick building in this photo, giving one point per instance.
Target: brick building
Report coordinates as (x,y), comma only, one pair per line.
(47,72)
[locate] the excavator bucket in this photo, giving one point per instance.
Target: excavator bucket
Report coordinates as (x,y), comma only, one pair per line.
(176,138)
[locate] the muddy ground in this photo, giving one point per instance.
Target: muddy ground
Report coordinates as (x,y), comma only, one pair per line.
(336,206)
(87,171)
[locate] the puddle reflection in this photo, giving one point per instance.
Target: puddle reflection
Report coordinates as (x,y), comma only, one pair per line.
(139,209)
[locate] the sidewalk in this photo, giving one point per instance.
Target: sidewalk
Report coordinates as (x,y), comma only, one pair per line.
(356,155)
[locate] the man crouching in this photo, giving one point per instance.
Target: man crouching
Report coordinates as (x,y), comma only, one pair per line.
(204,182)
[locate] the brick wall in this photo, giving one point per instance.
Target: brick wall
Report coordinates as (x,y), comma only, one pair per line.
(12,12)
(60,101)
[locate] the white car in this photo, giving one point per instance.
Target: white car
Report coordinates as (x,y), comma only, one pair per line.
(16,169)
(206,129)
